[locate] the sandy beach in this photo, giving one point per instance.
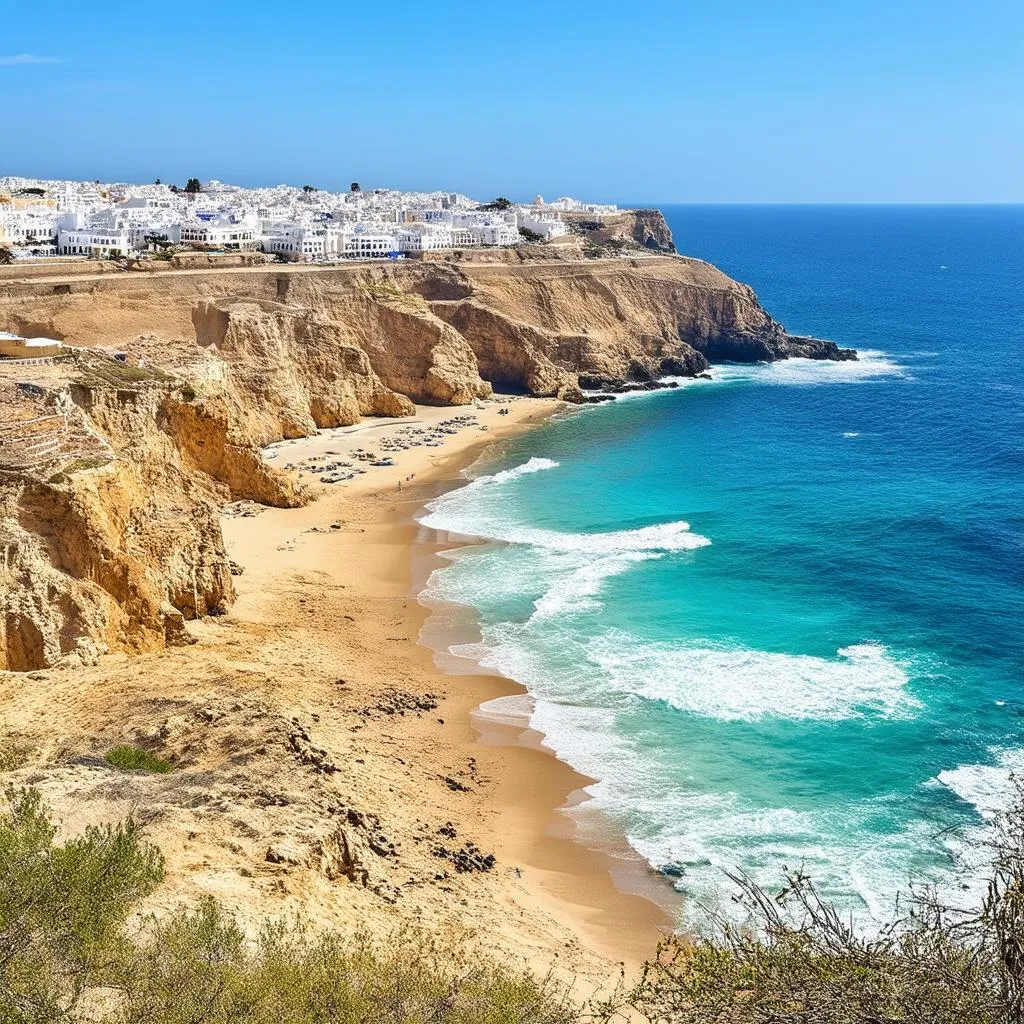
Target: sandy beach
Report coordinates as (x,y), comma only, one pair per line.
(560,887)
(324,764)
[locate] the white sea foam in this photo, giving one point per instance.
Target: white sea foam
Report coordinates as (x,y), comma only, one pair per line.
(658,802)
(989,788)
(703,835)
(659,538)
(462,512)
(504,476)
(576,592)
(580,687)
(662,537)
(737,683)
(869,364)
(514,709)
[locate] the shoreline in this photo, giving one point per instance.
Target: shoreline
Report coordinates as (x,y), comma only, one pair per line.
(323,766)
(446,624)
(606,897)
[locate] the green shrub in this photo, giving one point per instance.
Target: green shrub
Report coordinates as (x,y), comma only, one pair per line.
(136,759)
(198,966)
(63,908)
(66,954)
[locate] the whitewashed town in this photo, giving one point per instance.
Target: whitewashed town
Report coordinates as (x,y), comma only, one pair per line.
(74,219)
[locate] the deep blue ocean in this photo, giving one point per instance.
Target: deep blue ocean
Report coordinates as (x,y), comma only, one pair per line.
(778,615)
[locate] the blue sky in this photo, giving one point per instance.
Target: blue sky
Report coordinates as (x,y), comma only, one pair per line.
(661,101)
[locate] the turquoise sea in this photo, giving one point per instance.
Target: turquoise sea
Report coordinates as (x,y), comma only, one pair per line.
(778,615)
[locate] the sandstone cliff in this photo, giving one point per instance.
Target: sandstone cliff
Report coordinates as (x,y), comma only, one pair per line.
(644,228)
(112,473)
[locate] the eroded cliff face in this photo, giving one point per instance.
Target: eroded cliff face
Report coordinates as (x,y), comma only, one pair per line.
(106,545)
(540,327)
(644,228)
(112,476)
(289,370)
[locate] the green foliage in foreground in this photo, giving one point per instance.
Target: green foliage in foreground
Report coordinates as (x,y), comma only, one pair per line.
(73,951)
(802,963)
(198,966)
(66,954)
(63,908)
(136,759)
(822,972)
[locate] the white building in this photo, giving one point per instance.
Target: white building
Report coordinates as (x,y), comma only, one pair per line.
(92,241)
(27,227)
(140,237)
(296,242)
(541,222)
(365,242)
(499,233)
(423,237)
(85,218)
(221,233)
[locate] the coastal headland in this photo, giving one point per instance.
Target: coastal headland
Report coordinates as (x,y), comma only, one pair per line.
(169,581)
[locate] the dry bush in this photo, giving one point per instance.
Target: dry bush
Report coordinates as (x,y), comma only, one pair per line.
(797,961)
(66,955)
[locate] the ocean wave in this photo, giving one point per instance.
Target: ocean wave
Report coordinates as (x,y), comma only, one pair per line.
(988,788)
(515,709)
(576,591)
(700,837)
(740,684)
(869,365)
(537,464)
(587,716)
(660,538)
(461,512)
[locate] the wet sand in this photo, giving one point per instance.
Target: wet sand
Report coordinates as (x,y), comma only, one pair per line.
(381,552)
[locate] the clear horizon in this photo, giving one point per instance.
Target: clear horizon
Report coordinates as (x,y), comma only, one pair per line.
(847,105)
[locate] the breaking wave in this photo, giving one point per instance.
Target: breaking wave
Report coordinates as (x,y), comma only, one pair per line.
(735,683)
(870,364)
(534,465)
(577,591)
(988,788)
(462,511)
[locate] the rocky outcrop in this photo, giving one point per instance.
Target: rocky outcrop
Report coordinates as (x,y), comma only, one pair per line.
(289,370)
(651,231)
(646,229)
(107,555)
(112,473)
(756,348)
(415,351)
(614,318)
